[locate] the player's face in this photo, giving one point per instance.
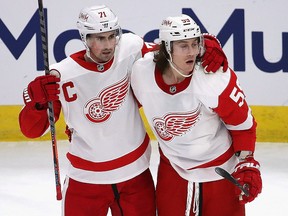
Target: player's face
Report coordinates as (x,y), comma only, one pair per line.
(102,46)
(184,54)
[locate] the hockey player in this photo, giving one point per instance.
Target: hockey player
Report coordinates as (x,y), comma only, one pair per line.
(109,152)
(201,121)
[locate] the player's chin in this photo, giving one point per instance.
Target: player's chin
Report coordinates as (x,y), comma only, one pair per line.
(106,57)
(188,69)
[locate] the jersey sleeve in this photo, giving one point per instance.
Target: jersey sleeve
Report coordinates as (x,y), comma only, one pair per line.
(235,113)
(34,123)
(148,47)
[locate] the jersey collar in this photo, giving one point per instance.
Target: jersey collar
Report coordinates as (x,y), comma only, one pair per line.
(170,89)
(79,58)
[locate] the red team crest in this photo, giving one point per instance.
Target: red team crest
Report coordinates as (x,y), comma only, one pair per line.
(176,124)
(100,108)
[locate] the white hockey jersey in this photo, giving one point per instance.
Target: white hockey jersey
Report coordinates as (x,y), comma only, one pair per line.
(109,143)
(185,118)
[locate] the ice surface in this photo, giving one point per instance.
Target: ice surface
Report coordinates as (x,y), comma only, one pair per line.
(27,184)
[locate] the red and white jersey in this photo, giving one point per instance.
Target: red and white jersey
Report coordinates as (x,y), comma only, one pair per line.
(199,123)
(109,142)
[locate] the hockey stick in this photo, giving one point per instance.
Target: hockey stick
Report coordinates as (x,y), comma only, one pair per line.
(50,103)
(230,178)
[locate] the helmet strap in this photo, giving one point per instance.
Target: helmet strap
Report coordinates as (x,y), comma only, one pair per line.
(181,73)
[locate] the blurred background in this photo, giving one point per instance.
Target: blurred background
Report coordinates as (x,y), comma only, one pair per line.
(254,36)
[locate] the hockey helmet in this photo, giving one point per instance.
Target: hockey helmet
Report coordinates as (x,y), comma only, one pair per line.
(97,19)
(178,28)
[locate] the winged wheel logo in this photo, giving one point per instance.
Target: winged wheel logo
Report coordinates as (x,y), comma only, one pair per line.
(100,108)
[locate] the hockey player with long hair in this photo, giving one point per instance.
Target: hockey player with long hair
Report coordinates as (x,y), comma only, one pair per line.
(201,121)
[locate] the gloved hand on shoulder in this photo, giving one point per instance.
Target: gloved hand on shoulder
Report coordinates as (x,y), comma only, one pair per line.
(214,56)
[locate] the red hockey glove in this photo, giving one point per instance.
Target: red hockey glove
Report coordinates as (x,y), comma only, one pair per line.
(214,57)
(41,90)
(247,172)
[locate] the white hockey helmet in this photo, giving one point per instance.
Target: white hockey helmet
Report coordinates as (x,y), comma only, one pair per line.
(97,19)
(178,28)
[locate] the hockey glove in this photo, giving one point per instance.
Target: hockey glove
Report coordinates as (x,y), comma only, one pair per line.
(214,57)
(41,90)
(247,172)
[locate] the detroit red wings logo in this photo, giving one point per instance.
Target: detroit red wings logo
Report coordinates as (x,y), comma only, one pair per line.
(176,124)
(100,108)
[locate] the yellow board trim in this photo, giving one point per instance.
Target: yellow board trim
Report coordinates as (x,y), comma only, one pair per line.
(272,124)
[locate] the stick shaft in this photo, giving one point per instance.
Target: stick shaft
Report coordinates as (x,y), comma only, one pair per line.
(230,178)
(50,103)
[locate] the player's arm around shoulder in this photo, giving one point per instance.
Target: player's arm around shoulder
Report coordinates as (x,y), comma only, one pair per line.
(143,64)
(137,43)
(142,73)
